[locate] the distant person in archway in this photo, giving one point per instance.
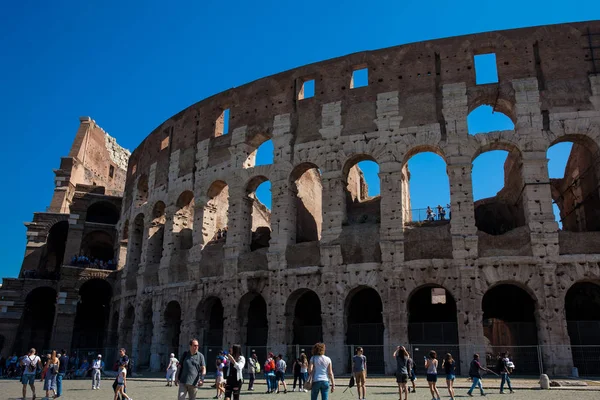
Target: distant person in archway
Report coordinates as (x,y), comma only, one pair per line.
(359,368)
(402,357)
(449,366)
(431,364)
(172,369)
(321,372)
(30,364)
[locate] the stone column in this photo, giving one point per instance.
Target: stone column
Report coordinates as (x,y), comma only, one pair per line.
(455,109)
(334,214)
(395,319)
(74,238)
(391,228)
(537,205)
(462,212)
(169,247)
(334,329)
(64,320)
(157,330)
(283,223)
(469,318)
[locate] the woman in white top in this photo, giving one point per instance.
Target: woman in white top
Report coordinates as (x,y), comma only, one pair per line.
(321,372)
(235,372)
(172,369)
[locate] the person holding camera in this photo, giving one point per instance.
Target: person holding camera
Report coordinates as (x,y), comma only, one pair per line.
(235,372)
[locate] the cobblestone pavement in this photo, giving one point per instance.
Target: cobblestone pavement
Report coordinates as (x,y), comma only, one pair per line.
(155,390)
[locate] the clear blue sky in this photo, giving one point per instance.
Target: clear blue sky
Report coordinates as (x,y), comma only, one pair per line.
(132,64)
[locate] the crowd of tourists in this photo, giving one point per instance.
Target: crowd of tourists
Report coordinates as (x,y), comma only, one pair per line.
(88,262)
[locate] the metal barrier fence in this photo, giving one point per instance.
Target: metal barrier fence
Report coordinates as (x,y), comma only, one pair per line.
(434,214)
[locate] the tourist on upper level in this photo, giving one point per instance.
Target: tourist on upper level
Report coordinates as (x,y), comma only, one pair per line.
(52,366)
(402,357)
(172,369)
(63,364)
(449,366)
(359,369)
(97,367)
(441,212)
(235,363)
(30,363)
(449,211)
(320,373)
(431,364)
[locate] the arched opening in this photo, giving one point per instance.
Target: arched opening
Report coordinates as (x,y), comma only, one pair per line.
(432,323)
(135,252)
(126,328)
(98,247)
(574,169)
(498,203)
(304,324)
(485,119)
(509,325)
(91,319)
(216,211)
(582,308)
(364,325)
(252,316)
(426,206)
(35,329)
(156,234)
(102,212)
(261,151)
(142,191)
(308,200)
(145,335)
(183,221)
(55,249)
(259,207)
(209,325)
(172,327)
(264,153)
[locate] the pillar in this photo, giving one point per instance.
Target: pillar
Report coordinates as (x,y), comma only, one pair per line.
(462,211)
(391,229)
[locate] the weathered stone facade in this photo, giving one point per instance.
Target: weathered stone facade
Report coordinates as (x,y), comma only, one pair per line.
(323,238)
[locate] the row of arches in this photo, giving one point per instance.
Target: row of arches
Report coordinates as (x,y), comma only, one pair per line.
(509,322)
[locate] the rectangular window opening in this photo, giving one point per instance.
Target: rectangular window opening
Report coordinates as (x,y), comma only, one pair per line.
(222,123)
(164,144)
(307,90)
(111,171)
(486,70)
(360,78)
(438,296)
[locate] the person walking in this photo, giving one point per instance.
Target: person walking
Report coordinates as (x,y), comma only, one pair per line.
(30,364)
(402,357)
(449,366)
(52,366)
(431,364)
(359,369)
(253,369)
(235,372)
(121,383)
(97,367)
(172,369)
(321,372)
(410,364)
(303,371)
(475,373)
(63,363)
(192,372)
(280,367)
(504,372)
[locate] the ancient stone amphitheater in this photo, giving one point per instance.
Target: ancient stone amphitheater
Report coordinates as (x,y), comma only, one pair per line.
(327,262)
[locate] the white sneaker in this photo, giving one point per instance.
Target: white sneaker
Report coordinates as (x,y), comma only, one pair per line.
(293,390)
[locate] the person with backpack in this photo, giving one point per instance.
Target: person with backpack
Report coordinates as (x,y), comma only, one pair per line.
(269,369)
(475,373)
(30,364)
(191,372)
(359,368)
(504,370)
(449,366)
(253,369)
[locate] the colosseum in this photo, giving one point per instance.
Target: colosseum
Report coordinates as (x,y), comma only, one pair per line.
(148,249)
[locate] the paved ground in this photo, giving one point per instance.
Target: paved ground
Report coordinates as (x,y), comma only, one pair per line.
(149,389)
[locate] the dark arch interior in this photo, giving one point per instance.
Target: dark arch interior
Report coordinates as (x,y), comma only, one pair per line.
(213,333)
(55,247)
(91,320)
(430,323)
(360,207)
(145,337)
(365,319)
(98,245)
(582,307)
(307,325)
(172,327)
(258,324)
(102,212)
(38,318)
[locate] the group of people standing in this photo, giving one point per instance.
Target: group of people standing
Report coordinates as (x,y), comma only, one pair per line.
(440,215)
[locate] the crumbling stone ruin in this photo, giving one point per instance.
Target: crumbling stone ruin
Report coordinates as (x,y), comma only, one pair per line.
(326,261)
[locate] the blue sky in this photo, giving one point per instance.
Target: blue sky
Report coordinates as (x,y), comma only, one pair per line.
(132,64)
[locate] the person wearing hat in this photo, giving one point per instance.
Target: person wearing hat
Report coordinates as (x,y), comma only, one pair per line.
(172,369)
(97,367)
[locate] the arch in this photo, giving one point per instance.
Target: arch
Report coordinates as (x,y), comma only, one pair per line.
(258,212)
(56,243)
(582,310)
(259,146)
(496,103)
(126,328)
(252,316)
(510,324)
(102,212)
(360,207)
(134,249)
(307,193)
(183,221)
(265,153)
(142,191)
(146,333)
(484,119)
(304,325)
(172,327)
(364,324)
(37,321)
(156,234)
(98,245)
(91,318)
(209,322)
(216,213)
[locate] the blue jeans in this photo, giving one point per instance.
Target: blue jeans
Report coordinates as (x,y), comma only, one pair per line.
(505,379)
(476,382)
(59,379)
(320,386)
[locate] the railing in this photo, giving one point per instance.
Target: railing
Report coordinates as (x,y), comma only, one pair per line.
(431,215)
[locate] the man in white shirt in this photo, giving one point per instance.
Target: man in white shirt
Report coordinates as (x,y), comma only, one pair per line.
(97,367)
(31,363)
(280,366)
